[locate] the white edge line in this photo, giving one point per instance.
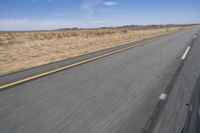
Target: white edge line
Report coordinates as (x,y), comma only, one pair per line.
(199,112)
(186,52)
(195,36)
(163,96)
(191,108)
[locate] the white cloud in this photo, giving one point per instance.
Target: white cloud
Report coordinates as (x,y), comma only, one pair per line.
(110,3)
(13,22)
(99,22)
(89,5)
(28,24)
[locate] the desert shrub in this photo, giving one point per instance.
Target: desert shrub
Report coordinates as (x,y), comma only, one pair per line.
(124,31)
(73,34)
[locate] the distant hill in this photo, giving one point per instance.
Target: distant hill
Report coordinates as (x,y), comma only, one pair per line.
(131,26)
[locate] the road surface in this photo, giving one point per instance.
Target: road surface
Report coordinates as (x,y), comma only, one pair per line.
(114,94)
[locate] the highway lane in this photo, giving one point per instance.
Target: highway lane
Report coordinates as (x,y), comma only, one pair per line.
(114,94)
(173,116)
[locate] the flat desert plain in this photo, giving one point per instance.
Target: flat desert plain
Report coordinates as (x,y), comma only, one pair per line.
(22,50)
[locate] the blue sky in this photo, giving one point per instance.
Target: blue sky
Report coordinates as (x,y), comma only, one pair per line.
(53,14)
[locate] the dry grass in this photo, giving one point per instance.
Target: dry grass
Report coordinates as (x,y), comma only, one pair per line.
(23,50)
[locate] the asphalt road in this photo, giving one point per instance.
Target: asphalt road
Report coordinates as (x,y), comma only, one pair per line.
(173,116)
(114,94)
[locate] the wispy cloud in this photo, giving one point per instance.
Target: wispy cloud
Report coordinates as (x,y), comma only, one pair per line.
(34,1)
(89,5)
(4,22)
(110,3)
(50,0)
(29,24)
(58,14)
(46,0)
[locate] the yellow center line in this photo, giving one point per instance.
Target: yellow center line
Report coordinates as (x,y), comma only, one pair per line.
(70,66)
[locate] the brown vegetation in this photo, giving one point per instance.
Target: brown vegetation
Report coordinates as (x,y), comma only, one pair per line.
(21,50)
